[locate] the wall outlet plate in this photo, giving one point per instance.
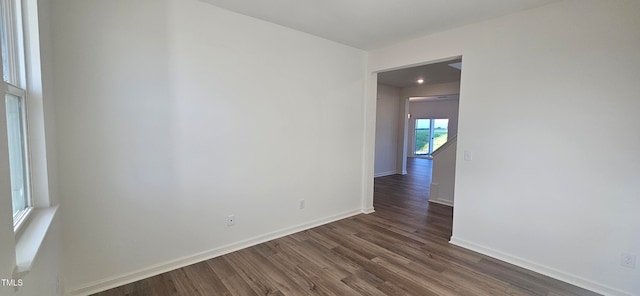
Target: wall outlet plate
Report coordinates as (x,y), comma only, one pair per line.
(231,220)
(628,260)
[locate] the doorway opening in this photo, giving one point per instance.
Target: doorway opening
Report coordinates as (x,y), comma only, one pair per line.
(416,128)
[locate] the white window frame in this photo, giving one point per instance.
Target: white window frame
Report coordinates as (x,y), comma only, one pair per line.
(11,11)
(22,216)
(15,42)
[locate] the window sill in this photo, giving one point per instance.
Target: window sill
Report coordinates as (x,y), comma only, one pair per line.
(29,241)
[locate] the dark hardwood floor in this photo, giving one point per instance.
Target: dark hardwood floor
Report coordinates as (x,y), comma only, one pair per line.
(401,249)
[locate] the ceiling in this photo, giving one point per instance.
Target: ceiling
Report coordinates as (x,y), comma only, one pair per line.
(451,97)
(370,24)
(431,74)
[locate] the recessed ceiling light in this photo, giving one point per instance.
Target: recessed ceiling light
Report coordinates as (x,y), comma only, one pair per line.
(420,81)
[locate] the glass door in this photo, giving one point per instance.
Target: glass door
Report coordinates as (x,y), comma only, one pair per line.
(430,134)
(440,133)
(423,137)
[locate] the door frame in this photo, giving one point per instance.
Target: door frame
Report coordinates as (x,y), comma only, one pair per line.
(371,84)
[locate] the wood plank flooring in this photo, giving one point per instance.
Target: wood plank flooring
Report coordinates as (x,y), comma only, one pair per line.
(401,249)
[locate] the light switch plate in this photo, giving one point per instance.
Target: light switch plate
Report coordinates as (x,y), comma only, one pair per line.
(468,155)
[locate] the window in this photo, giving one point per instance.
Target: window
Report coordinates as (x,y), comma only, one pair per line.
(16,132)
(440,130)
(430,134)
(12,42)
(423,136)
(13,66)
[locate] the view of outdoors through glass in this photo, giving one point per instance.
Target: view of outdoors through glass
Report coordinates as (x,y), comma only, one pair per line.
(430,135)
(16,153)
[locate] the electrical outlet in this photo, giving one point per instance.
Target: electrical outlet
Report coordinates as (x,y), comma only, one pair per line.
(628,260)
(231,220)
(301,204)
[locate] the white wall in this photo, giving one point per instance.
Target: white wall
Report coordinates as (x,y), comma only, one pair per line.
(564,75)
(387,128)
(173,114)
(443,179)
(48,100)
(432,109)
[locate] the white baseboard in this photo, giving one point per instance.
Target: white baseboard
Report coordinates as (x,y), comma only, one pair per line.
(368,210)
(123,279)
(383,174)
(545,270)
(442,202)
